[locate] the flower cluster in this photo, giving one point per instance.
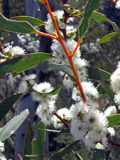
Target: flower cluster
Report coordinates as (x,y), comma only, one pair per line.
(70,43)
(27,82)
(31,43)
(14,51)
(10,51)
(91,47)
(43,94)
(59,16)
(115,84)
(89,124)
(117,4)
(2,149)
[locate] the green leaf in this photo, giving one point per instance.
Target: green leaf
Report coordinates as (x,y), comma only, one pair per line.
(13,125)
(34,21)
(78,157)
(50,66)
(28,142)
(98,17)
(23,62)
(16,26)
(99,153)
(113,120)
(107,89)
(98,74)
(107,37)
(55,91)
(100,89)
(101,17)
(90,7)
(64,151)
(6,104)
(38,144)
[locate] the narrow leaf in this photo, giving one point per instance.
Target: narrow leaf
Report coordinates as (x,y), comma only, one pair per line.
(13,125)
(90,7)
(113,120)
(101,17)
(50,66)
(6,104)
(16,26)
(34,21)
(98,17)
(107,37)
(55,91)
(78,157)
(64,151)
(98,74)
(23,63)
(28,142)
(38,144)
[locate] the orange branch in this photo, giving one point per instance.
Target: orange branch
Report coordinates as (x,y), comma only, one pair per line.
(56,27)
(79,41)
(46,35)
(77,79)
(65,49)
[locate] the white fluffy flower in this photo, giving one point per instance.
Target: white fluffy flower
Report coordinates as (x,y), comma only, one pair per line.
(89,123)
(41,91)
(49,27)
(92,118)
(68,83)
(78,110)
(89,142)
(43,87)
(17,51)
(118,4)
(23,87)
(117,98)
(95,119)
(45,111)
(76,94)
(89,90)
(2,157)
(92,104)
(2,149)
(115,80)
(58,51)
(111,131)
(93,48)
(8,49)
(110,110)
(78,129)
(63,113)
(104,141)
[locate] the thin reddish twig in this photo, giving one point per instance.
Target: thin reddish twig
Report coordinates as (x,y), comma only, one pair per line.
(62,120)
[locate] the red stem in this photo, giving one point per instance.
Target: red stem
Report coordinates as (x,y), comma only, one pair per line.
(114,2)
(62,120)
